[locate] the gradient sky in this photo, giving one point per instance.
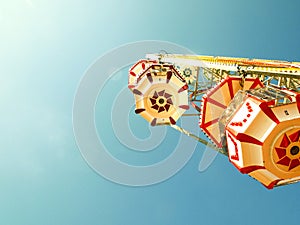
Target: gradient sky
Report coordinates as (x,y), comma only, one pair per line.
(45,48)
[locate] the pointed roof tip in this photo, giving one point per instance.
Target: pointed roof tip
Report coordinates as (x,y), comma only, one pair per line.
(153,122)
(137,92)
(186,107)
(138,111)
(183,88)
(149,77)
(172,121)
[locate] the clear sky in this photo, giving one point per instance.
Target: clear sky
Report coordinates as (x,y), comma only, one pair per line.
(45,49)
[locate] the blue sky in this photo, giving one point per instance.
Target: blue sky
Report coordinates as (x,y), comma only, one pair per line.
(45,49)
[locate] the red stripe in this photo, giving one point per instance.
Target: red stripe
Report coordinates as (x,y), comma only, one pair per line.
(248,139)
(183,88)
(212,101)
(153,122)
(211,122)
(177,74)
(264,107)
(186,107)
(217,87)
(169,75)
(227,80)
(172,121)
(196,107)
(250,169)
(138,111)
(132,73)
(236,156)
(298,102)
(219,144)
(137,92)
(256,83)
(230,88)
(149,77)
(272,184)
(202,123)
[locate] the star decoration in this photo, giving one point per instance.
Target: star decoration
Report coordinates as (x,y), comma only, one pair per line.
(288,151)
(161,101)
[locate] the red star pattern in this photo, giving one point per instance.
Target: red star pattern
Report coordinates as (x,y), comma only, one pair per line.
(281,151)
(167,101)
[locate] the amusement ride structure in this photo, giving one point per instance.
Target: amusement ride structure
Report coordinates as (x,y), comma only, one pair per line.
(248,108)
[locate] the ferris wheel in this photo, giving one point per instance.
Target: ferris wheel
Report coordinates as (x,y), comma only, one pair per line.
(248,108)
